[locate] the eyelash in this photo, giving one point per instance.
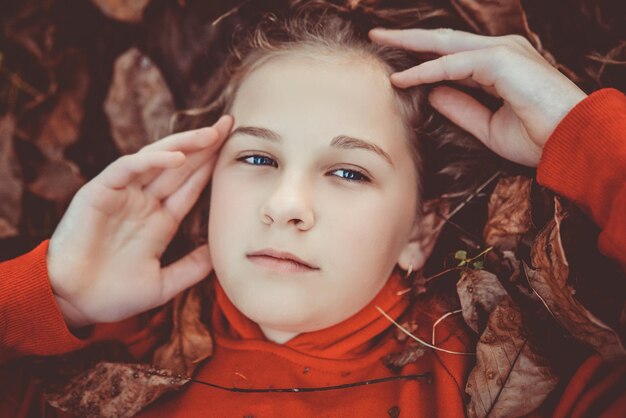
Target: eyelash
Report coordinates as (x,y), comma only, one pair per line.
(363,177)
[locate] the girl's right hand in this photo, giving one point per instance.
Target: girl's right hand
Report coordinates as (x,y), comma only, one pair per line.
(104,257)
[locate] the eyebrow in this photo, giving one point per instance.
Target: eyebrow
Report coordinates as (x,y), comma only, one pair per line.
(340,141)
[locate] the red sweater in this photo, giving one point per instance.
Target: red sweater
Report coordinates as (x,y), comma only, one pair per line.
(584,160)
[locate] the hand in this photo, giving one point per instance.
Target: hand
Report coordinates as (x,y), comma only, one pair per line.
(535,95)
(104,256)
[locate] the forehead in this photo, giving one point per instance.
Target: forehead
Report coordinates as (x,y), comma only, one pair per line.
(328,96)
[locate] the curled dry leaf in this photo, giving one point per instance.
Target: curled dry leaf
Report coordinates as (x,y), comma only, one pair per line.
(114,390)
(139,103)
(496,18)
(57,181)
(509,216)
(190,341)
(129,11)
(548,278)
(492,18)
(61,126)
(479,292)
(11,185)
(509,379)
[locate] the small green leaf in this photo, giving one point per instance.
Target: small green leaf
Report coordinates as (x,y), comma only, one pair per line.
(478,265)
(460,255)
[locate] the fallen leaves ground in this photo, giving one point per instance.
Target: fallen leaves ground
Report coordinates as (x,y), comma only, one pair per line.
(82,83)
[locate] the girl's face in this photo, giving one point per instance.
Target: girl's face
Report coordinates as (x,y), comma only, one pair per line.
(317,165)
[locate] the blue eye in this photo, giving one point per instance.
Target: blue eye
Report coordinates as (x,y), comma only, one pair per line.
(348,175)
(258,160)
(352,175)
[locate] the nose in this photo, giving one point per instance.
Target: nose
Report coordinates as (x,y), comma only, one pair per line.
(289,204)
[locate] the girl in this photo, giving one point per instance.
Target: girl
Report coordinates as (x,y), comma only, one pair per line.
(318,209)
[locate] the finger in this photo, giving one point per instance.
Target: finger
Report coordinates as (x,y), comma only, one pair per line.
(185,272)
(223,126)
(190,140)
(468,82)
(442,41)
(169,181)
(198,152)
(475,65)
(180,202)
(463,110)
(123,171)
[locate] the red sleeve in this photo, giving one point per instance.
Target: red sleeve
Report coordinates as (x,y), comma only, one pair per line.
(584,160)
(32,323)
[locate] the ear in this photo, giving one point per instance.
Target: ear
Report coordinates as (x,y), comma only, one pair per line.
(424,235)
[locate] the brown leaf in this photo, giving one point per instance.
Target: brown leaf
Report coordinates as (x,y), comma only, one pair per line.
(492,18)
(479,292)
(509,379)
(413,352)
(129,11)
(61,121)
(114,390)
(57,181)
(410,326)
(10,181)
(509,216)
(548,278)
(505,17)
(139,103)
(190,341)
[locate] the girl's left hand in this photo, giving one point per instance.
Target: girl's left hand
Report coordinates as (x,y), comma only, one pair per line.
(536,96)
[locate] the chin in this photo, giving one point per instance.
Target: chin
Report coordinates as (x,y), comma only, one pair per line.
(283,318)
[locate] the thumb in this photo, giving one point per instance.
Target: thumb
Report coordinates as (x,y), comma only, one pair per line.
(186,272)
(463,110)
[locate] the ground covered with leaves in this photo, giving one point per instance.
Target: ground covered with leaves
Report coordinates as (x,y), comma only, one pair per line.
(84,82)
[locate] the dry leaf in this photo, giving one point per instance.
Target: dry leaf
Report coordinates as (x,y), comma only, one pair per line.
(114,390)
(496,18)
(61,126)
(413,352)
(509,379)
(11,181)
(129,11)
(492,18)
(57,181)
(548,278)
(509,216)
(410,326)
(190,342)
(479,292)
(139,103)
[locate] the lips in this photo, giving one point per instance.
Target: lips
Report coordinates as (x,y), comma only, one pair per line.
(282,255)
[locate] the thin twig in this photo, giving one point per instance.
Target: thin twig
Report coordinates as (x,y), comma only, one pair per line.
(424,376)
(441,319)
(473,194)
(19,82)
(419,340)
(228,13)
(459,267)
(519,352)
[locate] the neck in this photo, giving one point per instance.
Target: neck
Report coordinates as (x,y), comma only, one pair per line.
(279,337)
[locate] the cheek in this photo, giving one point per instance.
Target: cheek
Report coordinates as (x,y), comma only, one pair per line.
(368,234)
(229,216)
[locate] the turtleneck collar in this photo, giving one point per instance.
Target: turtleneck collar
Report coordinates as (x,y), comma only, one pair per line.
(347,339)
